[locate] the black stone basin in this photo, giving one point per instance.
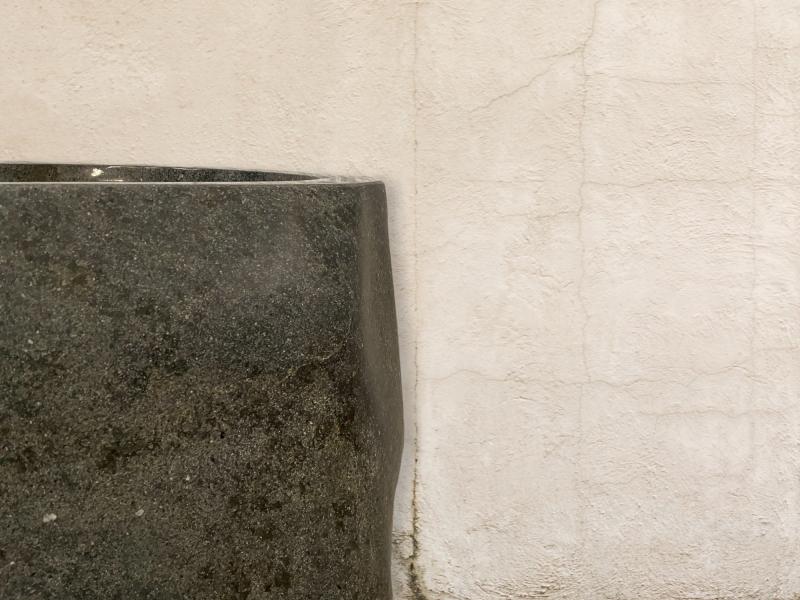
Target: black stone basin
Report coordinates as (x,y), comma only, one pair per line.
(199,385)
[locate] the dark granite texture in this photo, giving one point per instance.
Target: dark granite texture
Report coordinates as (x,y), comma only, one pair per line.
(199,385)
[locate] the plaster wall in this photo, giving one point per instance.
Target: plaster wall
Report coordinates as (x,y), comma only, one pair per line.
(595,215)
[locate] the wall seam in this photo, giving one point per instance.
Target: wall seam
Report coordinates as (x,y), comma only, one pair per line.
(415,581)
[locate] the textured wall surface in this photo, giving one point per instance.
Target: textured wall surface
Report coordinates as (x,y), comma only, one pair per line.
(595,216)
(609,308)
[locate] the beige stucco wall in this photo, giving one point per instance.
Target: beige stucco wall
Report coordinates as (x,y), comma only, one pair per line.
(595,211)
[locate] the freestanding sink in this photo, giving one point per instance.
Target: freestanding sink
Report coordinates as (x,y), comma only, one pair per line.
(199,385)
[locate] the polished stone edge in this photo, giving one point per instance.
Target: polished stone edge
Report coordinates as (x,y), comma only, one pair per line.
(293,178)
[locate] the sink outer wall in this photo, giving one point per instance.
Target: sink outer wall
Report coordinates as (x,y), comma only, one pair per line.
(201,383)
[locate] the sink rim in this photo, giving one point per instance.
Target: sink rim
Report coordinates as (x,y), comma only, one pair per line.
(93,171)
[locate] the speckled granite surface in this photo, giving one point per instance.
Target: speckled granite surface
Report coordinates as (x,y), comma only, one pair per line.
(199,387)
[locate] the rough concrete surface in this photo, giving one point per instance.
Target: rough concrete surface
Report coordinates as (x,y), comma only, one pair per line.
(594,213)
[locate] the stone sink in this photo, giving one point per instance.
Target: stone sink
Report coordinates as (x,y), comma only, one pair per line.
(199,385)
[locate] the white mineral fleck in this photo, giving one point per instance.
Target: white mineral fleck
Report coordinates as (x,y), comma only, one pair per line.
(49,517)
